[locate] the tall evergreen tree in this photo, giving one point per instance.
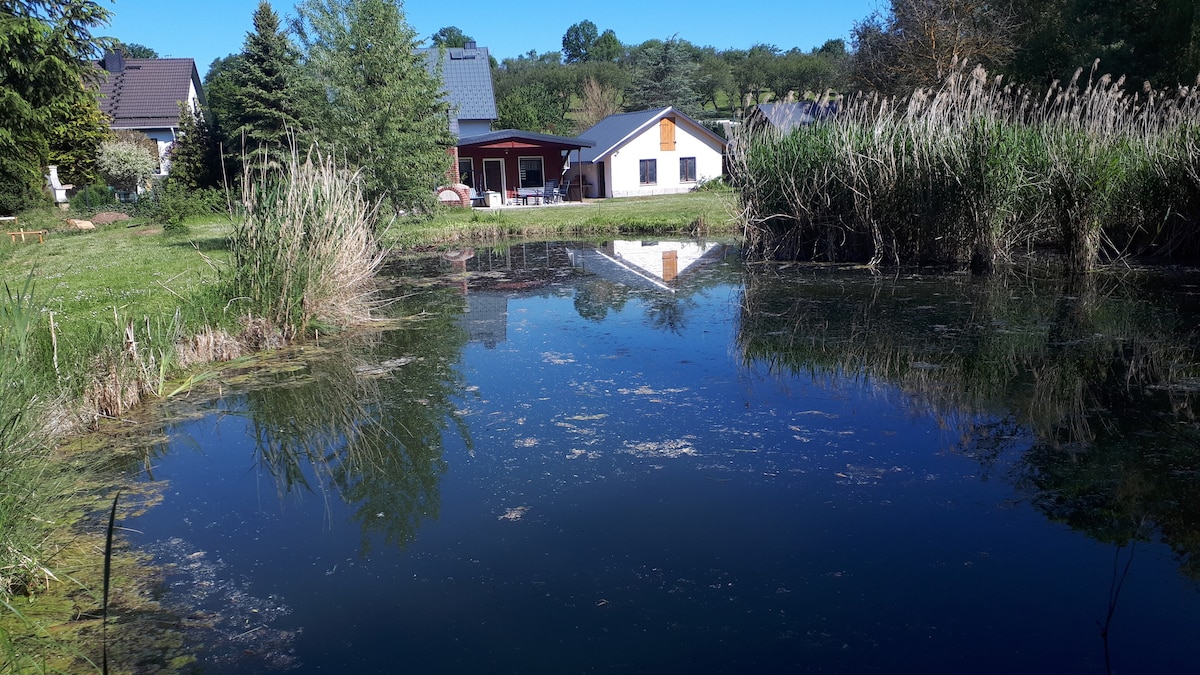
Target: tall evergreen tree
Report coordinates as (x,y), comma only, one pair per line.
(268,102)
(384,111)
(196,156)
(663,76)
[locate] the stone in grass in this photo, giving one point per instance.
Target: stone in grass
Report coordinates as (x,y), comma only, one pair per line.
(81,224)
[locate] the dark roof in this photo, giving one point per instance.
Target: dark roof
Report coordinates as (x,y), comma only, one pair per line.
(146,93)
(467,73)
(613,131)
(788,116)
(524,136)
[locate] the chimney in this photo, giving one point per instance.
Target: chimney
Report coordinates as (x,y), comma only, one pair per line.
(114,62)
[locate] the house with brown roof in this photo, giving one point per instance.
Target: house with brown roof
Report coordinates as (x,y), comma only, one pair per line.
(144,95)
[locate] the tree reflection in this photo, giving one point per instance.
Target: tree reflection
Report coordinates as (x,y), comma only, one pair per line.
(368,419)
(1094,382)
(596,296)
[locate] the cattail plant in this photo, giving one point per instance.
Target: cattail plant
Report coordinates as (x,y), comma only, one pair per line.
(977,170)
(305,247)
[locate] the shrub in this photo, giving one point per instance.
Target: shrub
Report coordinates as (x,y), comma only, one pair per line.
(170,203)
(125,164)
(93,198)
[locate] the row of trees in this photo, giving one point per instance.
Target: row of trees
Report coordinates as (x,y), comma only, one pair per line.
(351,80)
(913,43)
(345,75)
(1032,42)
(596,75)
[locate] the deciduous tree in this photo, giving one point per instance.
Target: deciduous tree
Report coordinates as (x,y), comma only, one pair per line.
(450,36)
(383,110)
(578,41)
(920,42)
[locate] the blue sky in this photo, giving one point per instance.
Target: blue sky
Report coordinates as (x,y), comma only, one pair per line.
(214,28)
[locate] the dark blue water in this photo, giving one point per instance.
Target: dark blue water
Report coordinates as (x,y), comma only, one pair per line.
(579,472)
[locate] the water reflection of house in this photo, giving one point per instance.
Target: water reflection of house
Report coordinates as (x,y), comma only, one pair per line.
(490,278)
(652,265)
(486,318)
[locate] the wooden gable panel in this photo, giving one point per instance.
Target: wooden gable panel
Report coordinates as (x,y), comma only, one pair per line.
(666,134)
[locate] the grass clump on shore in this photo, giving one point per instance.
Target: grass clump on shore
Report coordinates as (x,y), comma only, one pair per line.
(305,246)
(976,171)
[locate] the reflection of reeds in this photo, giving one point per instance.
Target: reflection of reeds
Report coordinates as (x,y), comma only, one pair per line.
(977,170)
(1057,358)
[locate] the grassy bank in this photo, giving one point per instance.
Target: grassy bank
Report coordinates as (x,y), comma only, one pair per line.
(95,321)
(708,211)
(976,171)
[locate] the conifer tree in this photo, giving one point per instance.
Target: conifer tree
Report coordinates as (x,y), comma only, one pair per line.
(267,98)
(383,110)
(45,58)
(663,76)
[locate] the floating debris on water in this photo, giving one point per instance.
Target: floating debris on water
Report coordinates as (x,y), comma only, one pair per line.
(671,449)
(515,513)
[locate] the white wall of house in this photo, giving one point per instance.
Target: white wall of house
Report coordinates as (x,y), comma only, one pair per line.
(623,167)
(164,138)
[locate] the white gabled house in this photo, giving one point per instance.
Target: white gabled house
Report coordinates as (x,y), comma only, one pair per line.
(652,152)
(144,95)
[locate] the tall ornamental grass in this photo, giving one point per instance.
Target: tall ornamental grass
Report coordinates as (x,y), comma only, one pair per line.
(976,171)
(305,247)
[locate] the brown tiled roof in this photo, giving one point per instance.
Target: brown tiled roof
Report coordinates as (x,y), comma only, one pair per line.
(146,93)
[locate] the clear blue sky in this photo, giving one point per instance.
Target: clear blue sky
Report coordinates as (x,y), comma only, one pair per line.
(205,30)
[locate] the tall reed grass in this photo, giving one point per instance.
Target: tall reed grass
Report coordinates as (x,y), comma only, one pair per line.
(976,171)
(305,247)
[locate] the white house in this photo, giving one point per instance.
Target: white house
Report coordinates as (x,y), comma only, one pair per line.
(144,95)
(651,152)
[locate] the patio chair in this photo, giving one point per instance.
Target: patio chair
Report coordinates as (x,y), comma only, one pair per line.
(550,192)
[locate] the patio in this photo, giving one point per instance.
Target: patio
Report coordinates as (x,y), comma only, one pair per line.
(521,167)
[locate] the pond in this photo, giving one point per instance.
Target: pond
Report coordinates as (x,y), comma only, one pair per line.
(652,457)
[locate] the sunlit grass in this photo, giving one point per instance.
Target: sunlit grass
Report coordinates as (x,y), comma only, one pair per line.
(707,210)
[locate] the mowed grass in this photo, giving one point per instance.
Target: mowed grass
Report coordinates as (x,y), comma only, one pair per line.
(708,211)
(92,283)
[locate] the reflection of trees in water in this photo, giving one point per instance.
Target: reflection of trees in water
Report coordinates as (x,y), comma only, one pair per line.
(668,311)
(368,419)
(596,296)
(1100,375)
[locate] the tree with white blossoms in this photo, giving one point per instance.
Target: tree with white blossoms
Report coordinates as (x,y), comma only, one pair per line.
(125,165)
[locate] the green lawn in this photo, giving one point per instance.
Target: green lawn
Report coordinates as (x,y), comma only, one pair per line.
(150,275)
(709,211)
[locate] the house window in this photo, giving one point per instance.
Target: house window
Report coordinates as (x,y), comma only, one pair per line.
(648,171)
(532,175)
(466,172)
(666,134)
(687,169)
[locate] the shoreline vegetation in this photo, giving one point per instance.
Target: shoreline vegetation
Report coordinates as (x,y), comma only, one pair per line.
(977,172)
(95,324)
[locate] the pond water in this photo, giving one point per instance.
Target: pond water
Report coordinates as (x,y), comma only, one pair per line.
(647,456)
